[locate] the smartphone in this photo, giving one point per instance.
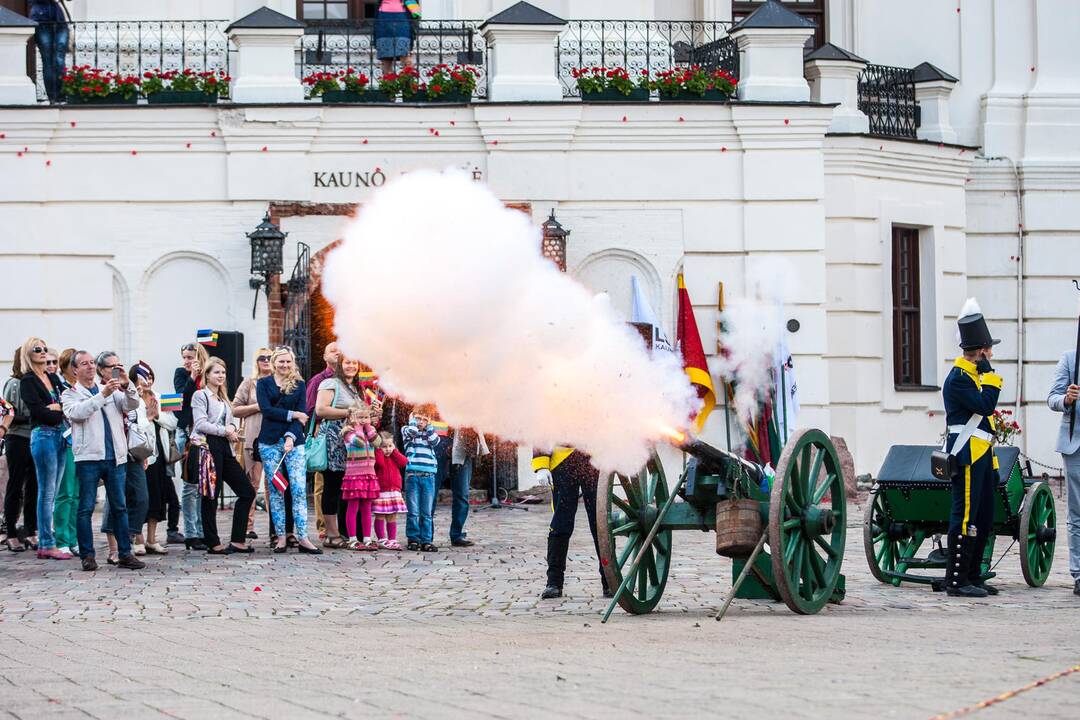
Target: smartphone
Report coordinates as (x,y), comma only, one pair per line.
(116,372)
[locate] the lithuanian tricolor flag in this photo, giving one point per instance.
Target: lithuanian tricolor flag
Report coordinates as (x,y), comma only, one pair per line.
(693,355)
(172,403)
(441,428)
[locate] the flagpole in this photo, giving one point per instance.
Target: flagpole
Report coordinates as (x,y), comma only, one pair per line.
(727,414)
(1076,369)
(783,402)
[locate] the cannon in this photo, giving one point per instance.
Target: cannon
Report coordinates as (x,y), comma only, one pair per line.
(908,506)
(799,513)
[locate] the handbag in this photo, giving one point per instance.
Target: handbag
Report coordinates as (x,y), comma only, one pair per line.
(140,446)
(315,445)
(944,465)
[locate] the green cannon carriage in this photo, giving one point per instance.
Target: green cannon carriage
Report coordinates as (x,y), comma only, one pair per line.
(801,517)
(908,506)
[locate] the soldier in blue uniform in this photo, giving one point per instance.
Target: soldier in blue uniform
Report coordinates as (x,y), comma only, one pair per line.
(971,389)
(571,475)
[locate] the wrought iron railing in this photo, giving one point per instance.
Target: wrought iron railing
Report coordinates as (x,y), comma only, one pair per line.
(135,46)
(335,46)
(653,45)
(887,97)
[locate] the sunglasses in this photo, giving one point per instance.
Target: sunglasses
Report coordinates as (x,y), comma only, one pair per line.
(52,362)
(38,349)
(263,358)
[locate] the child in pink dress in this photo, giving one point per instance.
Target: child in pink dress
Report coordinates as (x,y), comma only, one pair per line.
(389,462)
(360,485)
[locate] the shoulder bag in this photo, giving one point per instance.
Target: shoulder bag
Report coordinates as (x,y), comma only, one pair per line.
(315,445)
(140,444)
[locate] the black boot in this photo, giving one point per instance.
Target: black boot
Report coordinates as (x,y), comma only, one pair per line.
(956,572)
(975,576)
(557,548)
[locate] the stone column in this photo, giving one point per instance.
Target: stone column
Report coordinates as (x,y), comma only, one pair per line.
(834,78)
(771,43)
(933,87)
(266,59)
(521,46)
(16,87)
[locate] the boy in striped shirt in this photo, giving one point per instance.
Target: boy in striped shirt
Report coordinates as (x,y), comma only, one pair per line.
(420,440)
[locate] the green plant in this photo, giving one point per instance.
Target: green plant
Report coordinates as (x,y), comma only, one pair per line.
(209,82)
(405,83)
(693,80)
(85,81)
(445,80)
(347,79)
(597,79)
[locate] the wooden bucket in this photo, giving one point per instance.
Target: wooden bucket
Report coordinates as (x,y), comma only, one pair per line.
(738,527)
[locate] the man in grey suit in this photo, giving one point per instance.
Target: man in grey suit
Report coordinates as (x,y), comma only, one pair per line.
(1062,399)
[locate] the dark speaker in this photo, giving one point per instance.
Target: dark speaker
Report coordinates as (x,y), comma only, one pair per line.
(230,348)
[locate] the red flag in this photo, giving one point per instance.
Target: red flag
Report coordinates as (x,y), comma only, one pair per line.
(693,355)
(280,481)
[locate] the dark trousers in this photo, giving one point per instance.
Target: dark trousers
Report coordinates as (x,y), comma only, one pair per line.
(973,499)
(52,42)
(567,485)
(21,494)
(229,473)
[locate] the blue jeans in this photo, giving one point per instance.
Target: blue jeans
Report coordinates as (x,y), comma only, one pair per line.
(137,497)
(295,467)
(52,42)
(48,448)
(1072,521)
(88,473)
(189,497)
(419,494)
(460,480)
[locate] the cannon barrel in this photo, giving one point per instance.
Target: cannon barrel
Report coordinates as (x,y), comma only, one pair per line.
(717,461)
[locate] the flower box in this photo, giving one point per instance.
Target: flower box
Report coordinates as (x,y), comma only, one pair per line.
(610,94)
(113,99)
(181,97)
(347,97)
(713,95)
(447,97)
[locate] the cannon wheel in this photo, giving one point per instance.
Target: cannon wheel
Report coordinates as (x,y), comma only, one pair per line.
(1037,518)
(881,552)
(626,510)
(807,521)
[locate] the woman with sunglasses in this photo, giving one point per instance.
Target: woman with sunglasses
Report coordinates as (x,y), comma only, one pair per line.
(245,407)
(41,389)
(20,495)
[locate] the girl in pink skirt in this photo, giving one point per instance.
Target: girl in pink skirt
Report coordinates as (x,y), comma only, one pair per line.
(360,485)
(389,463)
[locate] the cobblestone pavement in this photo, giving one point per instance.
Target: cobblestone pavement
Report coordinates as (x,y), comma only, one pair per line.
(462,633)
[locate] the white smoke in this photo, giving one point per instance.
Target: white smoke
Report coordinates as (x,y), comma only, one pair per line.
(443,291)
(751,331)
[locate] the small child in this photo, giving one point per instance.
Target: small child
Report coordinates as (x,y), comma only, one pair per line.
(420,440)
(360,485)
(389,463)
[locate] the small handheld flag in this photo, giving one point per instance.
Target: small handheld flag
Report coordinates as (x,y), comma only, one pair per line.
(5,408)
(172,403)
(441,428)
(279,480)
(208,338)
(366,377)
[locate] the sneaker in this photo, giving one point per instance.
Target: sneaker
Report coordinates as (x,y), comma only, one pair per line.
(130,562)
(175,538)
(53,554)
(64,549)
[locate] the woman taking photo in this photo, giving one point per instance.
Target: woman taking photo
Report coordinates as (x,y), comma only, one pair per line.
(211,461)
(186,380)
(281,443)
(21,493)
(41,391)
(245,408)
(160,491)
(338,394)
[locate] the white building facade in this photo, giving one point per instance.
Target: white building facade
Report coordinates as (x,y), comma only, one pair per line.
(125,226)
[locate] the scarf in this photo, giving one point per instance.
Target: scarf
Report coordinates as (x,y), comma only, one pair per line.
(207,474)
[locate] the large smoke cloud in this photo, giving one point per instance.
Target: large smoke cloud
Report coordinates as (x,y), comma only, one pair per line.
(442,290)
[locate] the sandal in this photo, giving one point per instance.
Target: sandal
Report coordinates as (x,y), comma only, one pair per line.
(335,543)
(361,546)
(291,541)
(428,547)
(18,548)
(392,545)
(413,545)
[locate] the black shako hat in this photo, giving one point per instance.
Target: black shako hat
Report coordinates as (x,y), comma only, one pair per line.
(974,333)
